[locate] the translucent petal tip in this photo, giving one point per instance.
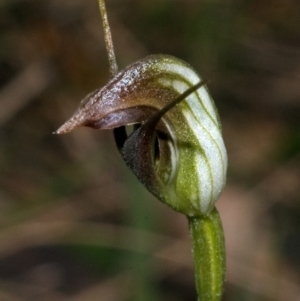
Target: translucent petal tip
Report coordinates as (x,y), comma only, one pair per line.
(68,126)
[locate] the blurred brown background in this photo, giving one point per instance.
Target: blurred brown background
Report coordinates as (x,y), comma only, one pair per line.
(74,223)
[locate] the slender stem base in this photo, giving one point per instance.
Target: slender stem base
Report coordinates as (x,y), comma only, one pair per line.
(209,255)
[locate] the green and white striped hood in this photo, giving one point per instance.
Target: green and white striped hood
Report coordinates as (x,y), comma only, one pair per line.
(182,160)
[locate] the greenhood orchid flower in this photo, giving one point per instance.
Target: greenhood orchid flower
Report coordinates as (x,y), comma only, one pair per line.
(176,148)
(181,158)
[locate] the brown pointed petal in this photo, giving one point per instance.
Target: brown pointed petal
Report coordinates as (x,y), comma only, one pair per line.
(70,125)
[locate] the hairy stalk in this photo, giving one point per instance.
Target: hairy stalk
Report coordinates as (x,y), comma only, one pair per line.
(209,255)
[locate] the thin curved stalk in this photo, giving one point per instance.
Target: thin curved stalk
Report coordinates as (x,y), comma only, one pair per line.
(113,66)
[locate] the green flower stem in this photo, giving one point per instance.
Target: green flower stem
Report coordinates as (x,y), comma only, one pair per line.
(209,255)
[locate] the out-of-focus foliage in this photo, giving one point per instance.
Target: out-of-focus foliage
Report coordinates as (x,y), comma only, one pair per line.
(74,223)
